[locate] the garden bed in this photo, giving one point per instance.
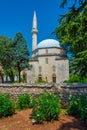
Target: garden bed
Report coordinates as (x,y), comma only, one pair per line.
(22,121)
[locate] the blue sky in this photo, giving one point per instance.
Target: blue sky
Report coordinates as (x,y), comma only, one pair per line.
(16,16)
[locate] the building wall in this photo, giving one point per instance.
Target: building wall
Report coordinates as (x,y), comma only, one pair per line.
(48,51)
(45,64)
(32,73)
(47,67)
(62,70)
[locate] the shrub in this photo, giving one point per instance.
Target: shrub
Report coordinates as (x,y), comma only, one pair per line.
(47,108)
(32,102)
(6,105)
(76,79)
(78,106)
(73,106)
(41,81)
(84,80)
(23,101)
(83,107)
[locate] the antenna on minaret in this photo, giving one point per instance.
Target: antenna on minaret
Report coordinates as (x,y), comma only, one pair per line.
(34,32)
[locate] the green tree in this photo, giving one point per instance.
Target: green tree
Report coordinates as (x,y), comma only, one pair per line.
(72,32)
(1,75)
(6,56)
(21,54)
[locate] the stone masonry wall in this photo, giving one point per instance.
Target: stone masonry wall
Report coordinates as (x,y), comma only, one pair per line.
(16,89)
(76,89)
(63,90)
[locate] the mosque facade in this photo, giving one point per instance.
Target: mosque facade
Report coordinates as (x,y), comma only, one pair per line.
(49,62)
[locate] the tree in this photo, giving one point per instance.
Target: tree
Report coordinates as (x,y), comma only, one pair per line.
(1,75)
(21,53)
(6,56)
(72,32)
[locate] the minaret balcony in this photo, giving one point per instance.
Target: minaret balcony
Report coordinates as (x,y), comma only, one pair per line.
(34,30)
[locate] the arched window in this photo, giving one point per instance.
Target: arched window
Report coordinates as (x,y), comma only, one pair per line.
(46,60)
(54,78)
(54,68)
(40,77)
(40,69)
(46,51)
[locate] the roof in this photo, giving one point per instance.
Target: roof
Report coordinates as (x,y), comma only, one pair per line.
(48,43)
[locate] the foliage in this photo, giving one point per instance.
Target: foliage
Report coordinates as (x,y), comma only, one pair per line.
(33,101)
(23,101)
(5,51)
(6,106)
(47,107)
(1,75)
(78,106)
(41,81)
(11,73)
(21,54)
(72,32)
(83,108)
(76,79)
(24,77)
(74,62)
(78,66)
(14,56)
(6,56)
(73,106)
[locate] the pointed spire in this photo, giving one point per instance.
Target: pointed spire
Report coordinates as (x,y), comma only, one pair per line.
(35,21)
(34,26)
(34,32)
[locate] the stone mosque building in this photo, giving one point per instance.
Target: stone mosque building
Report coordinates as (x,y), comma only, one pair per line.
(48,60)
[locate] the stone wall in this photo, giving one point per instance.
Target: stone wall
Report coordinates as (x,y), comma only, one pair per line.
(63,90)
(74,88)
(16,89)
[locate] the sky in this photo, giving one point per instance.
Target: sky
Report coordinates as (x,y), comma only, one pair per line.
(17,15)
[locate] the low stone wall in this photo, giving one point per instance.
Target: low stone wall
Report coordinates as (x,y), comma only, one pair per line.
(77,89)
(16,89)
(63,90)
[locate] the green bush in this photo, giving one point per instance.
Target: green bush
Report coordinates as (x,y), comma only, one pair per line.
(83,107)
(41,81)
(23,101)
(78,106)
(32,102)
(7,106)
(73,106)
(76,79)
(47,108)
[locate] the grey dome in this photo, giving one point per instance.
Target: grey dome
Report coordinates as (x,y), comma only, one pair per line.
(48,43)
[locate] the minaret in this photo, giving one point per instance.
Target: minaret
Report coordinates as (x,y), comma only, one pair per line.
(34,32)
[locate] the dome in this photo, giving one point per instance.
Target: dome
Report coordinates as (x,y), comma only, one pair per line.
(48,43)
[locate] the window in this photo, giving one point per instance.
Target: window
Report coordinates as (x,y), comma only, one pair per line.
(54,78)
(46,60)
(40,77)
(40,69)
(46,51)
(54,68)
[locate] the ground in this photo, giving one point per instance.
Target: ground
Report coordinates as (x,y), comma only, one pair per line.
(22,121)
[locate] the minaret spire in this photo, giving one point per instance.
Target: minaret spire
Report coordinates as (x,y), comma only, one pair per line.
(34,32)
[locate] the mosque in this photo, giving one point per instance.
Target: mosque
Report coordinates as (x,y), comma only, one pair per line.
(49,62)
